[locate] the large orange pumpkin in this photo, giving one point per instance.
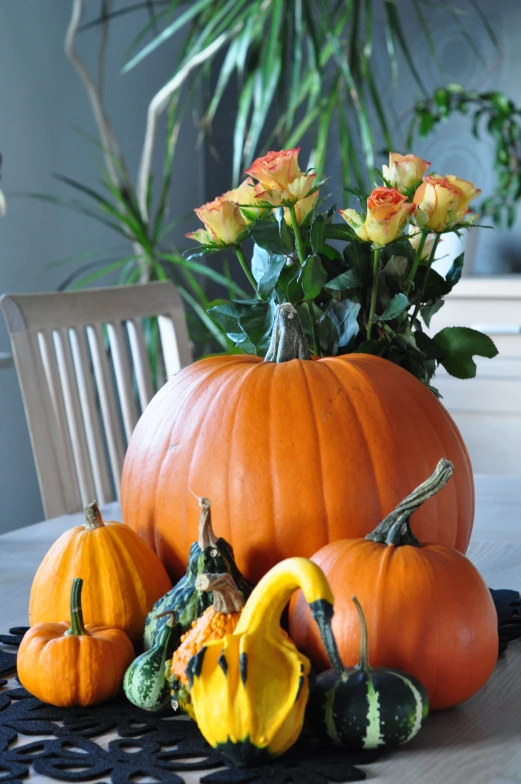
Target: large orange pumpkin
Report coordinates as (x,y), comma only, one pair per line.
(427,609)
(294,453)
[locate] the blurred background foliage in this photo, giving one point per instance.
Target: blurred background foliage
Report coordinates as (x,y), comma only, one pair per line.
(301,71)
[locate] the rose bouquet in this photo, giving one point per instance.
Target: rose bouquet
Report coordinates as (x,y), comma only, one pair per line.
(364,285)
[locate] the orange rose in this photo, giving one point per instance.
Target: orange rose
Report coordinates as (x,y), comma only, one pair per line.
(443,202)
(224,223)
(280,181)
(404,171)
(387,213)
(244,196)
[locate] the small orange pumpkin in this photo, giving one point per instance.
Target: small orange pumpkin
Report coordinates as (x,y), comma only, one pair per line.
(73,664)
(428,610)
(215,623)
(122,574)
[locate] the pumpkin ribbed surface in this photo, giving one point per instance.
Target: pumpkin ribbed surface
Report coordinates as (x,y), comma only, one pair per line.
(122,577)
(293,455)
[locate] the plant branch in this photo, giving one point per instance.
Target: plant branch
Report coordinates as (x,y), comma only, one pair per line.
(247,271)
(374,292)
(111,149)
(159,103)
(426,278)
(302,259)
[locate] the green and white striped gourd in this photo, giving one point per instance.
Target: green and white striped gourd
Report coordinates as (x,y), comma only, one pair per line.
(145,683)
(209,555)
(366,708)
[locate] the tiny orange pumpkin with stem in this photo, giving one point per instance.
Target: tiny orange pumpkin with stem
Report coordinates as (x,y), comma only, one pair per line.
(73,664)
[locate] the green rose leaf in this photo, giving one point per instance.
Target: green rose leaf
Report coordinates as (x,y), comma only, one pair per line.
(202,250)
(347,280)
(466,340)
(266,234)
(328,335)
(397,305)
(396,267)
(285,234)
(312,277)
(318,234)
(460,345)
(376,347)
(344,316)
(257,322)
(428,311)
(454,273)
(269,280)
(247,323)
(259,262)
(428,347)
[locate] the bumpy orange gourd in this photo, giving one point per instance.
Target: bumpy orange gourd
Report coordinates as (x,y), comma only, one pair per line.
(294,453)
(123,576)
(73,664)
(428,610)
(215,623)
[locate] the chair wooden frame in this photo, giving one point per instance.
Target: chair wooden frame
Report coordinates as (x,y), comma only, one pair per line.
(81,404)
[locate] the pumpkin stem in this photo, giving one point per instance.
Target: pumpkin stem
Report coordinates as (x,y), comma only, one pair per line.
(93,518)
(363,662)
(77,626)
(206,537)
(287,337)
(226,596)
(396,528)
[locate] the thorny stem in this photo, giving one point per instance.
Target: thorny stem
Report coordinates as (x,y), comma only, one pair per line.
(374,291)
(302,259)
(246,269)
(424,285)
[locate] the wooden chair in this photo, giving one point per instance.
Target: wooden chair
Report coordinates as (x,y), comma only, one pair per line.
(487,409)
(85,377)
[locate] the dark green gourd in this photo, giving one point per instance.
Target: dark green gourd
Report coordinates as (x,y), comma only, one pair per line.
(209,555)
(145,683)
(366,708)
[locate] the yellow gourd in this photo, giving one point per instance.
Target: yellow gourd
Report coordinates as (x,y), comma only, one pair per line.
(249,690)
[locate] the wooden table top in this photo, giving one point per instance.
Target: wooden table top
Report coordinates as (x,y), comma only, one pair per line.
(479,741)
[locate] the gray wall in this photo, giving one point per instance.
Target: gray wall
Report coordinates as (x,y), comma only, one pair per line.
(42,104)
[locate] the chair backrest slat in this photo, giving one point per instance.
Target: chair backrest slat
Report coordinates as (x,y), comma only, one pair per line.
(120,359)
(98,460)
(74,414)
(109,409)
(140,361)
(85,376)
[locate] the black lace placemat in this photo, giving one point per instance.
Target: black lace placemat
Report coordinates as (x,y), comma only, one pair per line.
(167,746)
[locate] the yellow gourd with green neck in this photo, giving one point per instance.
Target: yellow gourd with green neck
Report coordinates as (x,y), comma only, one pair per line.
(249,690)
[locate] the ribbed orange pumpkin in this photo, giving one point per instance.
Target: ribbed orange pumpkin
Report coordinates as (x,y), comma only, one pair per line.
(123,576)
(428,610)
(294,453)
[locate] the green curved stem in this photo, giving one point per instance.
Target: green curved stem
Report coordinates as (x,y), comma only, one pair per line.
(396,529)
(374,292)
(77,626)
(422,292)
(247,270)
(302,258)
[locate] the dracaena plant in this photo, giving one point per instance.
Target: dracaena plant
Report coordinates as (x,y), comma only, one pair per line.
(364,284)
